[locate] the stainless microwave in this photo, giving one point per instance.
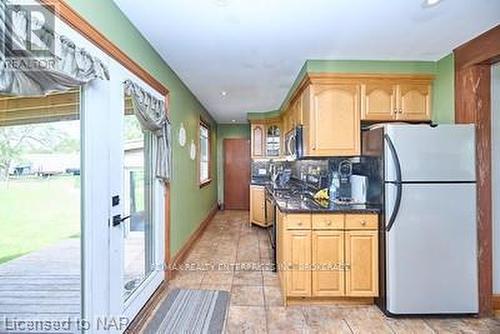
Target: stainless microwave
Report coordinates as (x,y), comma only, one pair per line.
(294,143)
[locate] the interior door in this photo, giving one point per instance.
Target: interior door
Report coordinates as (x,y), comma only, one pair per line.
(236,174)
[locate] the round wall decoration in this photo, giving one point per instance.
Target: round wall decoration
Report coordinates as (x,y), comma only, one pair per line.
(182,135)
(192,152)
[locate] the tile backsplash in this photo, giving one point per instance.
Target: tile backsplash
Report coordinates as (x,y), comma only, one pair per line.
(317,173)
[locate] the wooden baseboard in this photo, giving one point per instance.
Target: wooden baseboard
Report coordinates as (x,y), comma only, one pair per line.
(182,253)
(495,302)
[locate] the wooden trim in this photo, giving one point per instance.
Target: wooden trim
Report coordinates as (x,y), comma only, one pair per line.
(473,105)
(484,49)
(495,302)
(81,25)
(206,182)
(182,253)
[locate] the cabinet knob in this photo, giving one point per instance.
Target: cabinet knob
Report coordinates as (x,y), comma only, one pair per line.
(329,223)
(395,110)
(299,223)
(400,110)
(363,222)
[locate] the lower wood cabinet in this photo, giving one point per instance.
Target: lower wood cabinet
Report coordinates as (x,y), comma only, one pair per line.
(361,257)
(327,260)
(257,205)
(328,255)
(298,260)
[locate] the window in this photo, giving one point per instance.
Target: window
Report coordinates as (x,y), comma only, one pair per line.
(204,155)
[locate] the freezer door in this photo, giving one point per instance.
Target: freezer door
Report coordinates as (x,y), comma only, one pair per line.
(431,251)
(442,153)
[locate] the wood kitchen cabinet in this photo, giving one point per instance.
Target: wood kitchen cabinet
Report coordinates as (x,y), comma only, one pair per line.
(327,250)
(361,255)
(396,100)
(257,205)
(298,257)
(266,139)
(379,101)
(327,256)
(331,118)
(414,102)
(258,136)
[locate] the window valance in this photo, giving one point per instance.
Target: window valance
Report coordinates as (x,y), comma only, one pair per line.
(35,60)
(152,114)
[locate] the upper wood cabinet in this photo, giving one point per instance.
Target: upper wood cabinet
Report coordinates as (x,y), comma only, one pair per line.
(332,120)
(258,136)
(396,100)
(378,101)
(414,102)
(266,139)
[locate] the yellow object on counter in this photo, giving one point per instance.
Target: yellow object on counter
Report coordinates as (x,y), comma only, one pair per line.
(322,194)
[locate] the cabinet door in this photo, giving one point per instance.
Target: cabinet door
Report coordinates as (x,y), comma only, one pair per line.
(298,260)
(257,205)
(378,102)
(258,139)
(273,140)
(327,260)
(414,102)
(361,258)
(335,124)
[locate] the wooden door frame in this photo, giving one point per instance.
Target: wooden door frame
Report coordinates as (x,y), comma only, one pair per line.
(473,62)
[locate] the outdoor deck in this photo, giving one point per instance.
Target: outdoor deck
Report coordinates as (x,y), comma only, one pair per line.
(42,285)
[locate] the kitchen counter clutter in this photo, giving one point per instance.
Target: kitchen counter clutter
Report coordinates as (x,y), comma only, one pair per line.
(295,201)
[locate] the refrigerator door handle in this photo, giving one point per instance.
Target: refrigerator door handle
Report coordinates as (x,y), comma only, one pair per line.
(399,185)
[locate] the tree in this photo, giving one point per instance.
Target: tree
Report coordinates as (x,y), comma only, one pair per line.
(16,140)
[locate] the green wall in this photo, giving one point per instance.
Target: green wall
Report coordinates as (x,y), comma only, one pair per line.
(443,104)
(227,131)
(189,204)
(443,86)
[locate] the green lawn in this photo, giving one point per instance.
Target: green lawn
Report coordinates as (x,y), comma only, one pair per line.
(37,212)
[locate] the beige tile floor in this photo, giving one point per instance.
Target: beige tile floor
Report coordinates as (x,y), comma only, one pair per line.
(256,305)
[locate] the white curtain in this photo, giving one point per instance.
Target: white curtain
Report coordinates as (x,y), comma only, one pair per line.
(152,114)
(24,72)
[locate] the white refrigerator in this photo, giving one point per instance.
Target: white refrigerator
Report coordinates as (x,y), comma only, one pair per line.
(429,241)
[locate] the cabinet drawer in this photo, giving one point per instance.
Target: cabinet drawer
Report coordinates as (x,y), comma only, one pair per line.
(361,222)
(327,221)
(298,222)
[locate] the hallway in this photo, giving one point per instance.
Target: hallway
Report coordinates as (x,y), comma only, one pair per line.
(256,302)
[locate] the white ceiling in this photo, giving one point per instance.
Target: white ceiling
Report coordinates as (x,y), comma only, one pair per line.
(254,49)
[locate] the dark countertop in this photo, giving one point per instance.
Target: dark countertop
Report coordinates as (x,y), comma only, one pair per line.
(296,199)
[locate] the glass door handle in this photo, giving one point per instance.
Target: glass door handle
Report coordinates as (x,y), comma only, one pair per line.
(117,219)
